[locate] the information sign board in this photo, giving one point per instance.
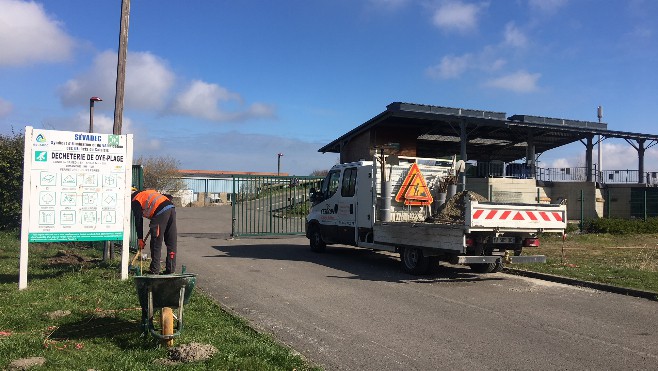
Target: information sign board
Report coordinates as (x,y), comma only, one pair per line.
(77,186)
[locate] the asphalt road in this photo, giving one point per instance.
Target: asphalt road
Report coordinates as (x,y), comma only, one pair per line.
(353,309)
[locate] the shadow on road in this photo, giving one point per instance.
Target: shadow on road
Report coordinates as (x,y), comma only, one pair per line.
(363,264)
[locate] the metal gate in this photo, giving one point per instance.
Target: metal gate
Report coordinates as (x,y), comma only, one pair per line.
(271,205)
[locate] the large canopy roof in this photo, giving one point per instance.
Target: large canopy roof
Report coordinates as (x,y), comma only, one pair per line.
(491,135)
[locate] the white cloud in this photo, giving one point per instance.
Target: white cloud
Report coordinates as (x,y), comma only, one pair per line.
(5,107)
(617,155)
(514,37)
(450,67)
(149,86)
(547,6)
(622,156)
(495,64)
(148,82)
(28,35)
(520,82)
(216,103)
(457,16)
(561,163)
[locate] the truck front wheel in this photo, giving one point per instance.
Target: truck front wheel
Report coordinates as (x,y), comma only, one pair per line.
(414,261)
(315,240)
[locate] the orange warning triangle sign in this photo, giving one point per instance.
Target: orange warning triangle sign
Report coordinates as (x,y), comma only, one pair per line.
(414,191)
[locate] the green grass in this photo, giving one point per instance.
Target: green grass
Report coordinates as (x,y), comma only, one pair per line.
(103,330)
(621,260)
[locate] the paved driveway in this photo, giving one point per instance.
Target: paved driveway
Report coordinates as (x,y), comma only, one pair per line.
(353,309)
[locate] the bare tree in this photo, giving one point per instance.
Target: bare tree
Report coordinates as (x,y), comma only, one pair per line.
(320,172)
(161,173)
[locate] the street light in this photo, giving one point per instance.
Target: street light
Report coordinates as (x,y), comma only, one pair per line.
(278,166)
(106,249)
(91,112)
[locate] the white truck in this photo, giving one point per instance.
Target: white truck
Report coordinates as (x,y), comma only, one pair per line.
(389,206)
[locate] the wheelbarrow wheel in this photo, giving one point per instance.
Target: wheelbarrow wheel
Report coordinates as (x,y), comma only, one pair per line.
(168,325)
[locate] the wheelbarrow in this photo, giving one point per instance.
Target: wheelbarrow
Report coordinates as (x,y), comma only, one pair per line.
(164,293)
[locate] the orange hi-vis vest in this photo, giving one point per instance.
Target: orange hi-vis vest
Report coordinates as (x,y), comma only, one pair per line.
(150,200)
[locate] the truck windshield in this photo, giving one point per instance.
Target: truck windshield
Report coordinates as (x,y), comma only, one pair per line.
(330,183)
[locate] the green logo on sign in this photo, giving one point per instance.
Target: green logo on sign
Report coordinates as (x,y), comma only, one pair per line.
(40,156)
(113,140)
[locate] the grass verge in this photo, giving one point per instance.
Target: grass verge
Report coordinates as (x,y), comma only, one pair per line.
(82,316)
(629,261)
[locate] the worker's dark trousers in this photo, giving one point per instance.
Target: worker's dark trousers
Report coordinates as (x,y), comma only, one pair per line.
(163,228)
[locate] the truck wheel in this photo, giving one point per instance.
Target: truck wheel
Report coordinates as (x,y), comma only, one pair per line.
(413,261)
(483,267)
(499,267)
(315,240)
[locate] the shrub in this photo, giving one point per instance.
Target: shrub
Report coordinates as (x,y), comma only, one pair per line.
(11,180)
(621,226)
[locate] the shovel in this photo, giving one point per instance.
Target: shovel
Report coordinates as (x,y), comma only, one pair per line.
(139,253)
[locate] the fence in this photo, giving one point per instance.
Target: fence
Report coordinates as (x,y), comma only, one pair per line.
(634,203)
(271,205)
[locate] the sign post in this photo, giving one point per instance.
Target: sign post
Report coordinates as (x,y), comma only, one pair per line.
(76,187)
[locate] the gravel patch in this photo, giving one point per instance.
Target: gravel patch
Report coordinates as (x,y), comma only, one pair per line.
(26,363)
(58,314)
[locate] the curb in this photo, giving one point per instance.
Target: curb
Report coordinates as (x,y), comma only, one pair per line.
(653,296)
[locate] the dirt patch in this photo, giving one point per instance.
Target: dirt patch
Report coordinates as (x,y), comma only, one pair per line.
(26,363)
(452,211)
(186,353)
(66,257)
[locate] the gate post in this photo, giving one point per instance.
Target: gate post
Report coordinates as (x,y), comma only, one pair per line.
(233,198)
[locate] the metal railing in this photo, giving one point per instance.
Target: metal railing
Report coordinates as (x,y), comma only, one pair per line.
(566,174)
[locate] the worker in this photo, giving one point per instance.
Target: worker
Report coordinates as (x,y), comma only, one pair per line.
(162,214)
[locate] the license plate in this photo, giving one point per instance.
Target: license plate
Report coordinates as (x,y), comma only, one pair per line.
(507,240)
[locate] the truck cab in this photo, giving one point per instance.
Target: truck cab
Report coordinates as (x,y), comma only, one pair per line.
(343,204)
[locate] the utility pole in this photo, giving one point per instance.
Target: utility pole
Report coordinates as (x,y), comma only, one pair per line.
(108,251)
(121,66)
(278,164)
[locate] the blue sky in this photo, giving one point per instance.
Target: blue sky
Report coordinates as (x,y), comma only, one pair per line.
(226,85)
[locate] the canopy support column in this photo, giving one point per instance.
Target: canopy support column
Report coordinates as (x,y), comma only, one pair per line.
(464,139)
(640,162)
(588,158)
(640,148)
(530,154)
